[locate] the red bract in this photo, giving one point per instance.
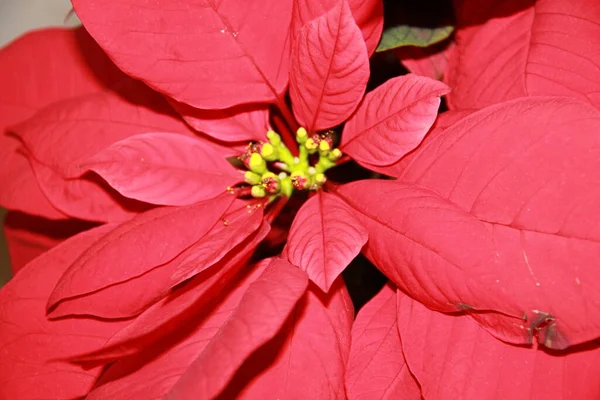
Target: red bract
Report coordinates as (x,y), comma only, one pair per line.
(491,216)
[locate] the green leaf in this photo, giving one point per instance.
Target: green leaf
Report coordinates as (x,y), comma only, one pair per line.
(406,35)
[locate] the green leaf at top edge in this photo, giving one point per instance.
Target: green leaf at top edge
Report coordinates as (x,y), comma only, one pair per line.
(406,35)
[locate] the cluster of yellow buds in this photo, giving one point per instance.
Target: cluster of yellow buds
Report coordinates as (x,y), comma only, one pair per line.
(293,173)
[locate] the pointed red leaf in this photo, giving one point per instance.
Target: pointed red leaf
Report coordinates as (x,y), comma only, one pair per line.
(134,247)
(497,214)
(34,350)
(260,315)
(330,69)
(368,15)
(164,168)
(163,319)
(443,121)
(431,61)
(68,133)
(134,295)
(307,358)
(241,123)
(36,70)
(377,368)
(518,48)
(207,53)
(324,238)
(20,189)
(454,358)
(27,236)
(393,119)
(152,373)
(88,197)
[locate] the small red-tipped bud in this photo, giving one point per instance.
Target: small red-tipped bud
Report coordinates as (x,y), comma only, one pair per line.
(299,180)
(270,182)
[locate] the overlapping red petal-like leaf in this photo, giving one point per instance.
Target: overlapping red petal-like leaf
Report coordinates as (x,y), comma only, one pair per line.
(67,133)
(29,236)
(88,197)
(132,296)
(34,350)
(368,15)
(240,123)
(307,359)
(454,358)
(163,319)
(509,49)
(153,372)
(443,121)
(135,247)
(207,53)
(36,70)
(260,315)
(497,216)
(164,168)
(377,368)
(393,119)
(431,61)
(324,238)
(330,69)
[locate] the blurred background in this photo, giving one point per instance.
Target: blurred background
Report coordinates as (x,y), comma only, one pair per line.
(16,18)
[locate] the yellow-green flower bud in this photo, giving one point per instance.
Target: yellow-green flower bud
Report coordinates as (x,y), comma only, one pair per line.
(324,146)
(252,178)
(301,135)
(269,152)
(258,191)
(311,145)
(274,138)
(257,164)
(335,155)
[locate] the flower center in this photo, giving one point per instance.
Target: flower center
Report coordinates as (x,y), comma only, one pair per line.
(274,171)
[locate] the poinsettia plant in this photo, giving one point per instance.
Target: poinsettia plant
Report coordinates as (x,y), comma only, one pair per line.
(195,176)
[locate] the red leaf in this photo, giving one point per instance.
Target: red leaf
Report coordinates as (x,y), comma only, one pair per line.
(497,214)
(164,318)
(454,358)
(241,123)
(207,54)
(88,197)
(20,190)
(368,15)
(33,349)
(134,247)
(393,119)
(152,373)
(164,168)
(36,70)
(27,236)
(64,135)
(514,48)
(260,315)
(307,358)
(324,238)
(330,69)
(431,61)
(377,368)
(134,295)
(443,121)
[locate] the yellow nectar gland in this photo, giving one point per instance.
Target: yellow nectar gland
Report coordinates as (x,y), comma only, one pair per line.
(289,173)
